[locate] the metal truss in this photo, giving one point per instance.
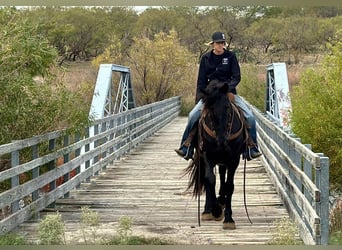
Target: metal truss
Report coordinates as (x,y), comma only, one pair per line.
(278,103)
(112,97)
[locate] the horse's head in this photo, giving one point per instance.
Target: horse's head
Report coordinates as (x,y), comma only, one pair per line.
(217,104)
(215,92)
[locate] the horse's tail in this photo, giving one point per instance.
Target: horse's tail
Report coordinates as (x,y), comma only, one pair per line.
(196,175)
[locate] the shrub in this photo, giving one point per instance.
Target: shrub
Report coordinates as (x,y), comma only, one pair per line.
(12,239)
(125,229)
(33,101)
(336,223)
(51,230)
(252,85)
(89,224)
(317,113)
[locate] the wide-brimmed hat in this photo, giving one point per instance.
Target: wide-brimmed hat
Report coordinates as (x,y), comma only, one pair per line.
(218,37)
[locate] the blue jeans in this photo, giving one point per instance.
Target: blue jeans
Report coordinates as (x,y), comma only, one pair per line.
(195,115)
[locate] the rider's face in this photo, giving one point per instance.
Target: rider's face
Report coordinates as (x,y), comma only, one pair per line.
(219,47)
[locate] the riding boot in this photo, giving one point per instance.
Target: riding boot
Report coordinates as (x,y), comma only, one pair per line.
(252,151)
(186,151)
(187,148)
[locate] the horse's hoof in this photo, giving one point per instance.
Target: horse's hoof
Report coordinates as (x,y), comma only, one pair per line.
(210,216)
(220,217)
(229,225)
(207,216)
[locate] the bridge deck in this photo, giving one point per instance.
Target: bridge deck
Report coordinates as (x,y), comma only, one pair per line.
(147,185)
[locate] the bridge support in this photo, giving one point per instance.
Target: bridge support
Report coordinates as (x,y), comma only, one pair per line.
(112,81)
(103,103)
(278,103)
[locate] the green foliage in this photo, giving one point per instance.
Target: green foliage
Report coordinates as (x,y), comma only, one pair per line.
(32,100)
(84,33)
(187,105)
(317,110)
(12,239)
(284,233)
(89,224)
(51,230)
(161,68)
(124,229)
(336,223)
(113,54)
(335,238)
(252,85)
(137,240)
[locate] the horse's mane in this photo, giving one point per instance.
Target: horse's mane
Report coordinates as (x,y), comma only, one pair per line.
(218,109)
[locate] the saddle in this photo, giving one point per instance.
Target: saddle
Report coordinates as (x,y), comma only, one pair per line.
(212,133)
(243,129)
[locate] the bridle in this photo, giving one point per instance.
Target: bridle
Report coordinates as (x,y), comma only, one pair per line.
(212,133)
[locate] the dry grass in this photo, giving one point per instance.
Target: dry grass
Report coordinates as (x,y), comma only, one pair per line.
(336,217)
(79,77)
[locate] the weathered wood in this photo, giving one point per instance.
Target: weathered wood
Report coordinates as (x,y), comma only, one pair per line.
(297,173)
(148,186)
(114,136)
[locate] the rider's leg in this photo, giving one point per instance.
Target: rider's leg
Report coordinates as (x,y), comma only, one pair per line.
(253,151)
(186,150)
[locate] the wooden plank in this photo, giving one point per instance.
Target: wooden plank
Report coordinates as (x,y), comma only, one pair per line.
(147,185)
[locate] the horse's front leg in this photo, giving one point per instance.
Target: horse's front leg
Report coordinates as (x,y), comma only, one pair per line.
(212,210)
(222,193)
(209,170)
(228,222)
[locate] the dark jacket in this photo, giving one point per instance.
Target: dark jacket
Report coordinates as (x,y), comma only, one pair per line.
(223,67)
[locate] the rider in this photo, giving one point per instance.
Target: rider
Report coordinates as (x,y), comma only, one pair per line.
(222,65)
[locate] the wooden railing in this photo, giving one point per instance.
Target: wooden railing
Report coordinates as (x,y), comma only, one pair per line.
(47,167)
(300,176)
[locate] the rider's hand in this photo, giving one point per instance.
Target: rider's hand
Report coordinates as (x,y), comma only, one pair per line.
(230,96)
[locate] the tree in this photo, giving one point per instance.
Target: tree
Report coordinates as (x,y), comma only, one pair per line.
(317,110)
(27,106)
(226,19)
(297,37)
(153,21)
(161,68)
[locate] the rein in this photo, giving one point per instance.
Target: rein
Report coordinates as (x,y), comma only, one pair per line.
(212,133)
(244,190)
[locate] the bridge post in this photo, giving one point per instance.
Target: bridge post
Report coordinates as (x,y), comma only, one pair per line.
(278,102)
(322,182)
(103,103)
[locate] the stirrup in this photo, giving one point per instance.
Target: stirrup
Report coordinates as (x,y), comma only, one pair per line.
(187,156)
(249,155)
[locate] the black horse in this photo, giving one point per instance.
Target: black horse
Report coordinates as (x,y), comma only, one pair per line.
(221,140)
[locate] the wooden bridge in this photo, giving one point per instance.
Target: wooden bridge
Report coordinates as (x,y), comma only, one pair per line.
(129,168)
(147,186)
